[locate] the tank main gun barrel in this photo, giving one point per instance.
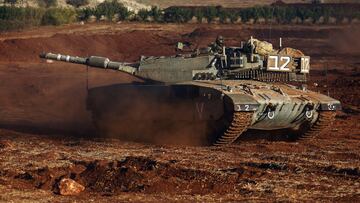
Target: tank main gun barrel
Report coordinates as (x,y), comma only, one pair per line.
(93,61)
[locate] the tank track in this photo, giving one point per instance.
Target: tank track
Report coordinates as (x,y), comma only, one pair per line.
(239,124)
(325,120)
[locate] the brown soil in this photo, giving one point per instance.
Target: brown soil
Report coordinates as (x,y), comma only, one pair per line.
(45,125)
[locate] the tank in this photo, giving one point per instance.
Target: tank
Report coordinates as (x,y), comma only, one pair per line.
(214,94)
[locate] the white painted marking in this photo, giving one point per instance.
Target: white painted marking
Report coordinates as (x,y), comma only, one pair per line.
(276,59)
(331,107)
(287,61)
(309,114)
(238,107)
(271,115)
(305,65)
(275,67)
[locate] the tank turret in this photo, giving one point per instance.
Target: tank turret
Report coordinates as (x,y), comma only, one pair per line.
(255,60)
(258,60)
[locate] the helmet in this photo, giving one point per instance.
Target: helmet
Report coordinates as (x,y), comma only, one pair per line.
(220,40)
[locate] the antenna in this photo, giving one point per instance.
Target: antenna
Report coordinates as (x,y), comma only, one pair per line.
(271,19)
(87,77)
(220,72)
(252,49)
(327,79)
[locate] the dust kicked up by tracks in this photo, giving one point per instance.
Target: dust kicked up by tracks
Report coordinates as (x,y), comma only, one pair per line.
(43,111)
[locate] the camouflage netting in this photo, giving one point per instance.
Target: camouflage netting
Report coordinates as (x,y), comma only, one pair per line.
(262,47)
(291,52)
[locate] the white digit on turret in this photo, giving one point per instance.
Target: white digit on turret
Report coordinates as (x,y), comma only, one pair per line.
(287,60)
(283,61)
(305,64)
(275,67)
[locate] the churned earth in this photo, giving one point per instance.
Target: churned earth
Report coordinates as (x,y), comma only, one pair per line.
(46,133)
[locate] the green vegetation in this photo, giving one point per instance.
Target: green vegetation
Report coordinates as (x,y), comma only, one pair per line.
(12,17)
(110,8)
(154,14)
(107,9)
(15,18)
(282,14)
(58,16)
(47,3)
(176,14)
(11,2)
(77,3)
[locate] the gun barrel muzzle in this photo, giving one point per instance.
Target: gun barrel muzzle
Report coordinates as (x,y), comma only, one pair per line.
(66,58)
(93,61)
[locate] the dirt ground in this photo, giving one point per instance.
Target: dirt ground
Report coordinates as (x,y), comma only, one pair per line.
(44,124)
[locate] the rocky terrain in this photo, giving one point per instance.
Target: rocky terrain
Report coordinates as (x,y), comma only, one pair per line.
(46,133)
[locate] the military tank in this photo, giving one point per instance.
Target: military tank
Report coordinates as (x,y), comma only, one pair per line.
(217,92)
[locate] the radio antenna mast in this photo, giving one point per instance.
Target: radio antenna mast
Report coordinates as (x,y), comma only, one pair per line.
(327,79)
(271,19)
(87,77)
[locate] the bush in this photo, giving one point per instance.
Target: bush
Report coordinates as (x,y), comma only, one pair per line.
(176,14)
(199,14)
(7,25)
(58,16)
(47,3)
(210,13)
(77,3)
(85,13)
(18,18)
(143,14)
(12,2)
(156,13)
(110,8)
(12,17)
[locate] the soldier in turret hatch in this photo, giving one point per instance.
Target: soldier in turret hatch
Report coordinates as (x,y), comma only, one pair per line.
(217,46)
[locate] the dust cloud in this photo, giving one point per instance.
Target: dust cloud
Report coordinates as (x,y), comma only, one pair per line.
(149,114)
(347,41)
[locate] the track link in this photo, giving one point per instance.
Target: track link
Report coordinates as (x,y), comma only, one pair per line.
(325,120)
(240,122)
